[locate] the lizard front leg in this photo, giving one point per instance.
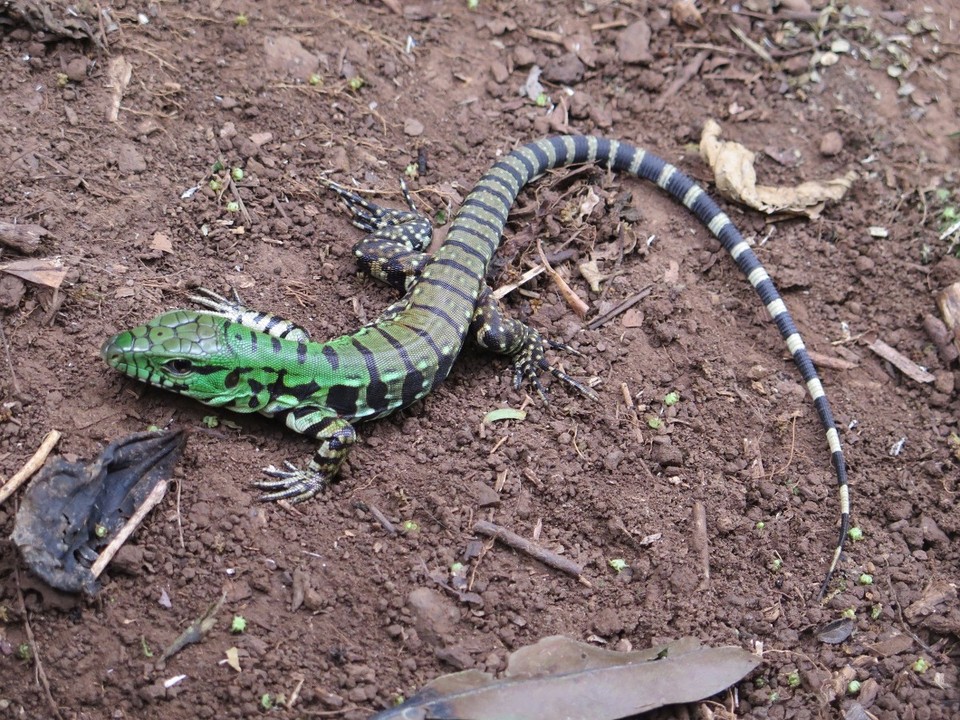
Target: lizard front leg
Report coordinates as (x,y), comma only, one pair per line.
(235,311)
(335,434)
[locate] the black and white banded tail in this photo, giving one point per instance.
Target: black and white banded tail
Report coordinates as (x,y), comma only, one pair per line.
(490,201)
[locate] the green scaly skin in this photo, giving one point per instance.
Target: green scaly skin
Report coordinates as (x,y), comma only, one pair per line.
(233,357)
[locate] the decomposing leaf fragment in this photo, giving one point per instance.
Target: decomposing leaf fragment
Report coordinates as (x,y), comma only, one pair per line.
(119,72)
(49,273)
(736,178)
(70,511)
(560,677)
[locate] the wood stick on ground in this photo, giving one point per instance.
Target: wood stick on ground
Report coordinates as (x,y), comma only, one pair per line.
(900,361)
(31,466)
(33,648)
(511,539)
(691,69)
(699,540)
(829,361)
(621,308)
(151,501)
(575,302)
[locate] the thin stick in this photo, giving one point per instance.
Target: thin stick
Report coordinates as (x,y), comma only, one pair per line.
(155,496)
(33,648)
(621,308)
(691,69)
(575,302)
(699,540)
(32,465)
(511,539)
(6,350)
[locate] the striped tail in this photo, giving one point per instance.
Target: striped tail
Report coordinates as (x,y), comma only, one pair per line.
(486,207)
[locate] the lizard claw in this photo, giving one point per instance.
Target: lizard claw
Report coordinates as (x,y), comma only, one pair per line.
(530,360)
(291,484)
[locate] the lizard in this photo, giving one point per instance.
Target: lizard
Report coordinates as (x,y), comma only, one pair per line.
(231,356)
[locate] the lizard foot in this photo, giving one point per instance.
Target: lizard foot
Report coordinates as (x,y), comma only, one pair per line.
(291,484)
(530,360)
(406,226)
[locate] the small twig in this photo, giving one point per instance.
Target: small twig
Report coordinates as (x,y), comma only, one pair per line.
(33,648)
(378,515)
(13,375)
(575,302)
(621,308)
(511,539)
(243,207)
(151,501)
(700,540)
(691,69)
(31,466)
(756,47)
(831,362)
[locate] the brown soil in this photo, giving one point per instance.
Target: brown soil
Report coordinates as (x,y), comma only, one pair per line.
(743,441)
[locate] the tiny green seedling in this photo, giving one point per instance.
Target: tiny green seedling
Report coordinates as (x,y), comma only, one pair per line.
(473,4)
(238,624)
(216,184)
(618,564)
(410,527)
(314,79)
(654,422)
(145,647)
(24,652)
(355,83)
(853,687)
(237,174)
(855,534)
(62,80)
(865,579)
(920,666)
(411,171)
(233,206)
(849,614)
(441,217)
(241,20)
(543,100)
(210,421)
(761,525)
(776,565)
(793,679)
(218,167)
(671,398)
(266,701)
(876,611)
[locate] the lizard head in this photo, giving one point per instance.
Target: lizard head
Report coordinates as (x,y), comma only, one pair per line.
(187,352)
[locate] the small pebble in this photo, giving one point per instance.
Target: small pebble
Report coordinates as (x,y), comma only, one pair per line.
(831,144)
(413,127)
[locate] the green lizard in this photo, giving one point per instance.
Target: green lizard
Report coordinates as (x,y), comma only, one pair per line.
(248,361)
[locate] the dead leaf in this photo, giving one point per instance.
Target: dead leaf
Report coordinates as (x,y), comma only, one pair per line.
(559,677)
(119,72)
(591,273)
(49,273)
(588,204)
(233,658)
(736,178)
(162,243)
(686,15)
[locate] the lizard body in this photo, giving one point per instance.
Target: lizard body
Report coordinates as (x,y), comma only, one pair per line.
(233,357)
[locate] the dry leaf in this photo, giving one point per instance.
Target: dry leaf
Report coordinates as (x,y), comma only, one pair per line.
(119,72)
(686,15)
(591,273)
(162,243)
(49,273)
(736,178)
(233,658)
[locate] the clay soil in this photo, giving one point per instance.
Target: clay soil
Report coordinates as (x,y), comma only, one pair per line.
(343,617)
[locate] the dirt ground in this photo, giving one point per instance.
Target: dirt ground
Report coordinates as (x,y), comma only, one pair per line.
(344,618)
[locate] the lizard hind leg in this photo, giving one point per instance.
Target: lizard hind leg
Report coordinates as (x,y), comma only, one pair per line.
(523,345)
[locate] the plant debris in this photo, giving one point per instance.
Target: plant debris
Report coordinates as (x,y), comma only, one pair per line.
(559,677)
(72,510)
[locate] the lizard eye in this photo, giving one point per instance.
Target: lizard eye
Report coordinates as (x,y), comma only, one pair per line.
(178,366)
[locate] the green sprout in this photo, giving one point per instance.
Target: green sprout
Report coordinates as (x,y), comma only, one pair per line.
(216,184)
(654,422)
(62,80)
(241,20)
(314,79)
(441,217)
(774,697)
(237,174)
(218,167)
(671,398)
(855,534)
(618,564)
(411,171)
(761,525)
(793,679)
(865,579)
(920,666)
(233,206)
(473,4)
(355,83)
(876,611)
(853,687)
(849,614)
(210,421)
(266,701)
(410,527)
(100,530)
(24,652)
(542,100)
(238,624)
(776,564)
(145,647)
